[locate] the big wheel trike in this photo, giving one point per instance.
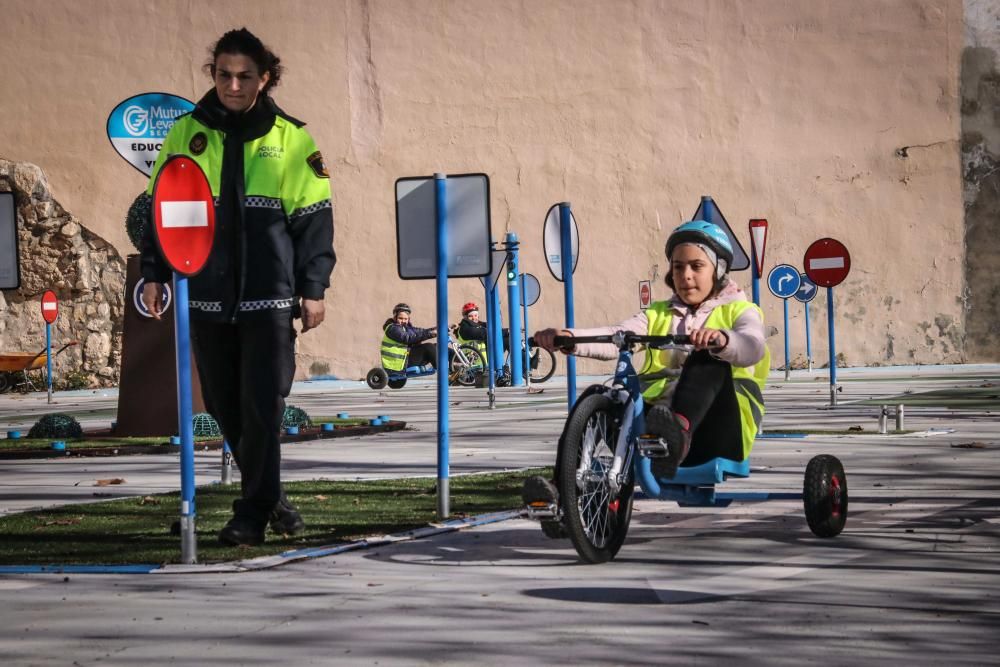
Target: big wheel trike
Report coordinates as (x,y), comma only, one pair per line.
(465,367)
(603,453)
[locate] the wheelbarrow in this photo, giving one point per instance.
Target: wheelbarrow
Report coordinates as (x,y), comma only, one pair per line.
(21,362)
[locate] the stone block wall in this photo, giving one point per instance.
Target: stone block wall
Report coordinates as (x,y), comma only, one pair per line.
(86,272)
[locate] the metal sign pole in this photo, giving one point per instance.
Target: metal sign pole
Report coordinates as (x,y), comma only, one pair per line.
(182,336)
(788,366)
(514,310)
(809,352)
(496,333)
(833,346)
(566,263)
(527,351)
(491,351)
(441,215)
(48,357)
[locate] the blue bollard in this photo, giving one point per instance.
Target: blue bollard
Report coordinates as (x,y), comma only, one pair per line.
(327,427)
(13,435)
(59,446)
(384,418)
(292,430)
(375,422)
(175,440)
(343,415)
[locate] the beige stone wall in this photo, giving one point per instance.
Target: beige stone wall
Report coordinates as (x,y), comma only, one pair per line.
(794,111)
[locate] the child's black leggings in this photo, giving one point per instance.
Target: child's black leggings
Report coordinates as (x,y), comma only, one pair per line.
(705,394)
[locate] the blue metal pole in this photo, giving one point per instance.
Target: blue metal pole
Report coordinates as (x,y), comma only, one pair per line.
(185,427)
(496,330)
(48,358)
(809,349)
(788,367)
(755,283)
(514,310)
(441,234)
(527,350)
(833,346)
(566,262)
(491,350)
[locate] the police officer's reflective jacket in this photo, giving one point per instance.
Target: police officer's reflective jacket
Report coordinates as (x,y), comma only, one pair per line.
(274,221)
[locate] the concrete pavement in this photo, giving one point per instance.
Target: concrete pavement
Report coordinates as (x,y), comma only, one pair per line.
(913,579)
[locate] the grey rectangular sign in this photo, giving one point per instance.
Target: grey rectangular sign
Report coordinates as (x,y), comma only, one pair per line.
(467,226)
(10,271)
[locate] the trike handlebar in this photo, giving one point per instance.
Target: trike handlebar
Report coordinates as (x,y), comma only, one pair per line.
(623,340)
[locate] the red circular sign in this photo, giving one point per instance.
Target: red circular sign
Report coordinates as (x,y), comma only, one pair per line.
(827,262)
(184,215)
(645,295)
(50,306)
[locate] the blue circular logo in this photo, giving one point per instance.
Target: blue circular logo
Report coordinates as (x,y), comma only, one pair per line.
(141,307)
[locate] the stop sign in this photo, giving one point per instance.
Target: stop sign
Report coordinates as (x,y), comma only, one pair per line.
(50,306)
(184,215)
(827,262)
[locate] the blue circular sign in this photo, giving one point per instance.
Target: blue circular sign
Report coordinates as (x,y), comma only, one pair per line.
(783,281)
(141,307)
(807,290)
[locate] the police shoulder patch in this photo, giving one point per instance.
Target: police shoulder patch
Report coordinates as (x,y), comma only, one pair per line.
(198,143)
(318,165)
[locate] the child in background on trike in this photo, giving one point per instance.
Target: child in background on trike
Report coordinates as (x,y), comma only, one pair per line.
(704,403)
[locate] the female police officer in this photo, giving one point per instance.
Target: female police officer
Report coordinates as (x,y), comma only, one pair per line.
(273,246)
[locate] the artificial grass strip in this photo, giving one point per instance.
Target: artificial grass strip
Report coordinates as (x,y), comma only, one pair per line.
(137,530)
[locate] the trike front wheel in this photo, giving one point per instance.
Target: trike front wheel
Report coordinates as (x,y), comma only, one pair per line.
(467,372)
(595,517)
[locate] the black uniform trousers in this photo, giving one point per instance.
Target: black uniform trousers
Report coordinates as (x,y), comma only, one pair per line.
(246,371)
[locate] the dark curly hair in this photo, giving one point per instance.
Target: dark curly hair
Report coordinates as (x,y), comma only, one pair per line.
(244,42)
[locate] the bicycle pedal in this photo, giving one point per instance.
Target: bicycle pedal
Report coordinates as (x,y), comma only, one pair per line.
(652,447)
(543,511)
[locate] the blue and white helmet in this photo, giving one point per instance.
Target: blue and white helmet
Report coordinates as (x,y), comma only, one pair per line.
(706,234)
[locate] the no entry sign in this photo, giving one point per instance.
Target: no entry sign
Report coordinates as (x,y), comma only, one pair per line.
(50,306)
(645,294)
(827,262)
(184,215)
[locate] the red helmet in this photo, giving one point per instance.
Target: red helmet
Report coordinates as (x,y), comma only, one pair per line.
(469,307)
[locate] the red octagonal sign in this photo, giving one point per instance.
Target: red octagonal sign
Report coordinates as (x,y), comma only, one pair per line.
(184,215)
(50,306)
(827,262)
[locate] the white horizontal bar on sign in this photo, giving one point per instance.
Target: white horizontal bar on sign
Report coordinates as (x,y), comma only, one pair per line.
(48,305)
(826,263)
(184,214)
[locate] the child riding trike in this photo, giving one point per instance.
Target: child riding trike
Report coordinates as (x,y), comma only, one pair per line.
(604,450)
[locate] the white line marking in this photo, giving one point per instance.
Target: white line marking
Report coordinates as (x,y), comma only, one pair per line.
(827,263)
(184,214)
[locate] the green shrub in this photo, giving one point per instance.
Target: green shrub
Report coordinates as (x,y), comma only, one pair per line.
(137,219)
(56,426)
(295,417)
(205,426)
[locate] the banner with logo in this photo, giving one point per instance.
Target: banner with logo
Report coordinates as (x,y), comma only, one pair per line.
(138,126)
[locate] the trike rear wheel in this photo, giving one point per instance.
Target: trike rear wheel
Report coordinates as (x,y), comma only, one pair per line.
(397,383)
(542,364)
(824,494)
(377,378)
(595,517)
